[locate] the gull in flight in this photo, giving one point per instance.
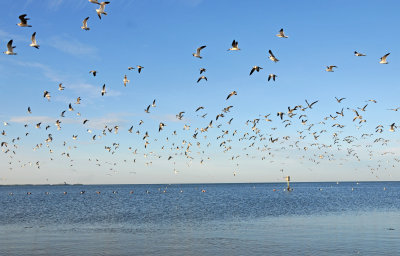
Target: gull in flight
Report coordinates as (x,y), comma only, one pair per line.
(85,27)
(339,100)
(130,68)
(272,56)
(24,21)
(235,46)
(126,80)
(281,34)
(101,11)
(94,72)
(383,59)
(202,70)
(231,94)
(359,54)
(272,76)
(255,68)
(60,87)
(330,68)
(33,39)
(103,91)
(202,77)
(10,48)
(46,95)
(29,110)
(139,68)
(161,126)
(197,54)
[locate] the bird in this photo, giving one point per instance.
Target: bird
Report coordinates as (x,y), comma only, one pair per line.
(358,54)
(281,34)
(94,72)
(310,105)
(272,56)
(78,100)
(273,76)
(29,110)
(202,70)
(139,68)
(125,80)
(84,26)
(161,126)
(330,68)
(235,46)
(24,21)
(60,87)
(101,11)
(231,94)
(202,77)
(339,100)
(103,91)
(46,95)
(383,59)
(147,110)
(34,43)
(255,68)
(197,54)
(201,107)
(70,108)
(10,48)
(392,127)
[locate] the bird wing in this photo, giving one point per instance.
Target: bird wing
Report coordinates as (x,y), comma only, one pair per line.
(199,49)
(270,52)
(85,22)
(33,38)
(9,45)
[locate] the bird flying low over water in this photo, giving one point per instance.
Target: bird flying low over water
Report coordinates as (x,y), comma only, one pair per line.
(10,48)
(330,68)
(272,56)
(101,11)
(33,39)
(197,53)
(85,27)
(231,94)
(281,34)
(255,68)
(359,54)
(24,21)
(235,46)
(383,59)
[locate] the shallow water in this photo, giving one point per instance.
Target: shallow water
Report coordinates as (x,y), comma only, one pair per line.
(227,219)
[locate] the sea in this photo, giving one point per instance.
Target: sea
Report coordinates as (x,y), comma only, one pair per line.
(345,218)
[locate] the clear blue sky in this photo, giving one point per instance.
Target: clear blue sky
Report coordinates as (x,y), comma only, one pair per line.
(161,36)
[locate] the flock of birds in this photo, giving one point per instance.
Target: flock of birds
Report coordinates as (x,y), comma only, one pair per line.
(290,135)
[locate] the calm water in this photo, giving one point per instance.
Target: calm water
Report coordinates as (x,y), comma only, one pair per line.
(226,219)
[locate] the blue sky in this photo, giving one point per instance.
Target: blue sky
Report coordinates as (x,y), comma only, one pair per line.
(161,36)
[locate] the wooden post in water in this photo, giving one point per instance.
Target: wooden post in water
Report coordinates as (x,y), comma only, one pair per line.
(288,183)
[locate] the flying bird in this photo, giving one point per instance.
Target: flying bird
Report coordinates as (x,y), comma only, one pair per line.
(94,72)
(202,77)
(202,70)
(197,54)
(255,68)
(125,80)
(281,34)
(272,56)
(235,46)
(85,27)
(34,43)
(383,59)
(272,76)
(330,68)
(103,91)
(24,21)
(231,94)
(101,11)
(46,95)
(10,48)
(60,87)
(359,54)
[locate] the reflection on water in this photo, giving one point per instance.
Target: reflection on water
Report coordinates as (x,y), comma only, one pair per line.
(228,219)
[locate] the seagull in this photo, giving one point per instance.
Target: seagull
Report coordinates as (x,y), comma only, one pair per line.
(154,103)
(234,46)
(161,126)
(359,54)
(46,95)
(255,68)
(139,68)
(310,105)
(339,100)
(85,27)
(10,48)
(202,77)
(94,72)
(33,38)
(392,126)
(60,87)
(103,91)
(29,110)
(101,11)
(231,94)
(201,107)
(281,34)
(78,100)
(24,21)
(202,70)
(126,80)
(273,76)
(70,108)
(383,59)
(94,1)
(330,68)
(147,110)
(197,54)
(272,56)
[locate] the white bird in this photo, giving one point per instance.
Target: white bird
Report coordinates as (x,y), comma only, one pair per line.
(272,76)
(330,68)
(103,91)
(34,43)
(125,80)
(272,56)
(383,59)
(85,27)
(101,11)
(197,54)
(235,46)
(60,87)
(24,21)
(10,48)
(359,54)
(281,34)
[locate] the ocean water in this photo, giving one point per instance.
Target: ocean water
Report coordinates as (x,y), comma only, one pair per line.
(227,219)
